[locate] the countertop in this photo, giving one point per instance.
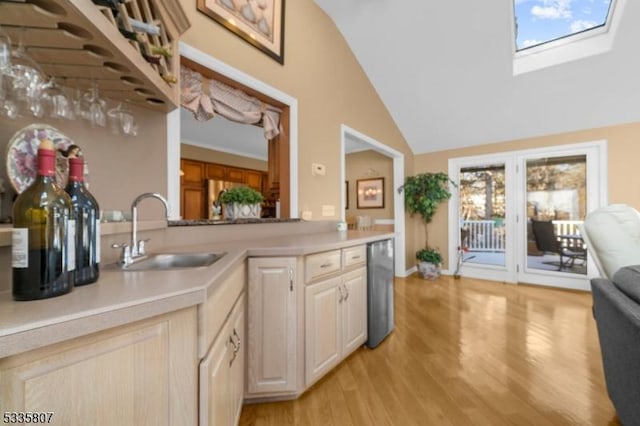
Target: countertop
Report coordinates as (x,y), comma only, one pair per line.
(121,297)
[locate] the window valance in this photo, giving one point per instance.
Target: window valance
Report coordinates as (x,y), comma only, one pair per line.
(206,97)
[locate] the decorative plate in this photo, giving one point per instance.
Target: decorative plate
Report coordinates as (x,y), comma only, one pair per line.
(22,153)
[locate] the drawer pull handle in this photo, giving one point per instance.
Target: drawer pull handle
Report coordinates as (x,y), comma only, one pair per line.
(326,265)
(355,257)
(291,279)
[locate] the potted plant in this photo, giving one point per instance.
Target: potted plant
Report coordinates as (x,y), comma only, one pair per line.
(423,194)
(241,202)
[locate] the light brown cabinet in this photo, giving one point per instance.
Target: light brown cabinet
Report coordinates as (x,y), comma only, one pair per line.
(221,329)
(144,373)
(193,184)
(335,308)
(272,324)
(192,189)
(222,373)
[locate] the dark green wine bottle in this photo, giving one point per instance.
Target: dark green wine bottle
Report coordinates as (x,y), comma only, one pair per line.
(43,245)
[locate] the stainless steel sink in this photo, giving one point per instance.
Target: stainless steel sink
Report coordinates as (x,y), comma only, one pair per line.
(163,261)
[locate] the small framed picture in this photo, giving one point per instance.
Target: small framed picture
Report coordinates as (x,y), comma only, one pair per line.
(370,193)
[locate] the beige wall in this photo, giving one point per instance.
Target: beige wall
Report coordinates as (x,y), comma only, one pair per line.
(192,152)
(623,177)
(119,167)
(321,72)
(366,165)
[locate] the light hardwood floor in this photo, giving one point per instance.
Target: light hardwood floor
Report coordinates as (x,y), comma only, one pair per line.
(465,352)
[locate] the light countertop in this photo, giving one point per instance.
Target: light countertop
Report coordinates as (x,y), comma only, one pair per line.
(121,297)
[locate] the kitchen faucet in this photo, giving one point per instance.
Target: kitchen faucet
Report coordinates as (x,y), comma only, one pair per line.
(136,248)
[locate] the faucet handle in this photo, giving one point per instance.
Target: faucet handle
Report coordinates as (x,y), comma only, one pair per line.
(125,257)
(141,244)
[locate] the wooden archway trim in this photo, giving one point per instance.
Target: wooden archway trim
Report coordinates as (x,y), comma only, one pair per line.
(279,175)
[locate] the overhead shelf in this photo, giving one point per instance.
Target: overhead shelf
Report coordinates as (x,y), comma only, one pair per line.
(78,42)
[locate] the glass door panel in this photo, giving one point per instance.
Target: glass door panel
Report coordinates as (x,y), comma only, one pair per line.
(556,203)
(482,214)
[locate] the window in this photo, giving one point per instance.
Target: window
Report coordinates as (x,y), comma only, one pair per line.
(553,32)
(539,22)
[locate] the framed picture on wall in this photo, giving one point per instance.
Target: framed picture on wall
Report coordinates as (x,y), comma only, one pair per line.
(370,193)
(346,194)
(259,23)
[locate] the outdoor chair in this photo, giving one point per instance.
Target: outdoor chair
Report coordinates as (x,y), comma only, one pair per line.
(547,242)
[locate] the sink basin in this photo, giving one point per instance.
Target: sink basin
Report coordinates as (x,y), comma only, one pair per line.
(162,261)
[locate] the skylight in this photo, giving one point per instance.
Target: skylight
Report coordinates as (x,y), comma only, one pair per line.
(539,22)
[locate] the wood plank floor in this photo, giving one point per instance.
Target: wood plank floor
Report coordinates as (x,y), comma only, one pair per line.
(465,352)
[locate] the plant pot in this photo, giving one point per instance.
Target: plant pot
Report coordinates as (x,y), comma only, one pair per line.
(234,211)
(429,271)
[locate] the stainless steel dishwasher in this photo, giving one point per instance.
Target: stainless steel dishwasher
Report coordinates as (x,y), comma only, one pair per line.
(380,273)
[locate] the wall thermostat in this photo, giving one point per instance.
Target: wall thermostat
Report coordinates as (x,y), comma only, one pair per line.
(318,169)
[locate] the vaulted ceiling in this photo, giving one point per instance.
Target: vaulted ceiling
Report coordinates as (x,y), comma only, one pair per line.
(444,70)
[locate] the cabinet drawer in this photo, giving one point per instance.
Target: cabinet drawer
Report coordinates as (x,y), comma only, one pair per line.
(352,256)
(318,265)
(213,313)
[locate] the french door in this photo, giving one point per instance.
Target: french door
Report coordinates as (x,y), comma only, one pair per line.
(515,216)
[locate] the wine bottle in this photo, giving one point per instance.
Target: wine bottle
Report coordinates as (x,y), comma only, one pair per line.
(160,50)
(155,60)
(86,212)
(43,250)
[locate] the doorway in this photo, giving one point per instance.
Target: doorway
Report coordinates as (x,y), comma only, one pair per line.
(516,216)
(288,166)
(351,136)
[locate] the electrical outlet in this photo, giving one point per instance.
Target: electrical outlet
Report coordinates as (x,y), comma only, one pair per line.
(328,210)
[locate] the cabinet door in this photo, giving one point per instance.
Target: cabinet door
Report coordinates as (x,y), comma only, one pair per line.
(139,374)
(354,309)
(253,179)
(215,171)
(323,303)
(234,174)
(272,325)
(192,172)
(236,364)
(215,375)
(193,202)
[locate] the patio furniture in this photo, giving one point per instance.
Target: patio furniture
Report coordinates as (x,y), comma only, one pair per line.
(548,242)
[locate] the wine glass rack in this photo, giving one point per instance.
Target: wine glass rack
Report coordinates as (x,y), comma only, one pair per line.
(77,42)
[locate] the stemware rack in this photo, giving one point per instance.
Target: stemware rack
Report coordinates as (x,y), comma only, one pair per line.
(78,42)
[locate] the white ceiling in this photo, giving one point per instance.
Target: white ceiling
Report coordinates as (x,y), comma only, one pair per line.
(444,69)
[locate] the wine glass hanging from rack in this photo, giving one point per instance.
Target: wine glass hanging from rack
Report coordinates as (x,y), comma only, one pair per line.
(25,90)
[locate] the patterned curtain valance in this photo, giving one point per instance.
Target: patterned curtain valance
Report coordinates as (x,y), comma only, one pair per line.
(205,98)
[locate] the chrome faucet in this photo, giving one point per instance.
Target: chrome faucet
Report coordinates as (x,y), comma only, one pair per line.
(136,248)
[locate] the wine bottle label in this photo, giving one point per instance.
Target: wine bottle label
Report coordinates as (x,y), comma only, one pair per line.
(71,245)
(97,240)
(20,248)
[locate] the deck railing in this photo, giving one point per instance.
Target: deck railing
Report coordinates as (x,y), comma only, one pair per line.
(490,235)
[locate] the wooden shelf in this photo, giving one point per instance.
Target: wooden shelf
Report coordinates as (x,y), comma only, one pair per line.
(78,42)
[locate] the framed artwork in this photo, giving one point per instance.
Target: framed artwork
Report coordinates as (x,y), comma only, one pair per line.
(370,193)
(346,194)
(258,22)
